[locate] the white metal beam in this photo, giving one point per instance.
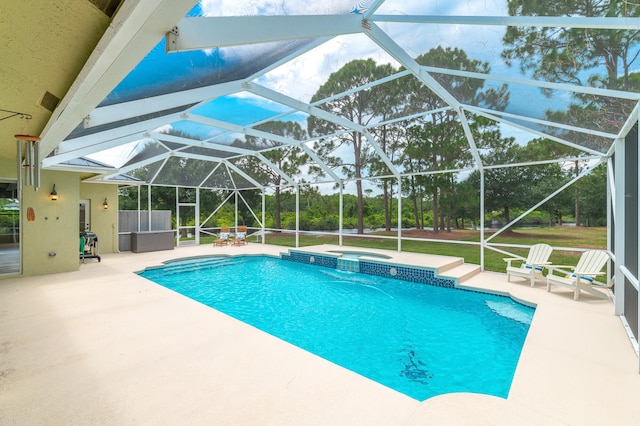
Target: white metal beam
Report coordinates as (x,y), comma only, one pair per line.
(490,114)
(127,169)
(201,144)
(80,169)
(383,156)
(238,129)
(243,174)
(116,133)
(582,174)
(83,151)
(632,120)
(373,6)
(620,220)
(276,169)
(391,47)
(141,107)
(471,140)
(363,87)
(626,23)
(621,94)
(320,163)
(304,107)
(222,31)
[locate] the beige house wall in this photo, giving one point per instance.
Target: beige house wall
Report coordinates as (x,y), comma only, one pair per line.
(39,58)
(104,222)
(51,241)
(55,227)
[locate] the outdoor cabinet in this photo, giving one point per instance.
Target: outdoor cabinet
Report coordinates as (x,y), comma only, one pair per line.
(151,241)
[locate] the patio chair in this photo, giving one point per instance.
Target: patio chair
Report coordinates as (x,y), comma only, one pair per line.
(582,278)
(241,236)
(531,267)
(222,238)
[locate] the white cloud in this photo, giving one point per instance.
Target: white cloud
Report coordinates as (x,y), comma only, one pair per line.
(302,77)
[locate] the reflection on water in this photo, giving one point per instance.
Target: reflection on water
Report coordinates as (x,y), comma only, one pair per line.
(9,259)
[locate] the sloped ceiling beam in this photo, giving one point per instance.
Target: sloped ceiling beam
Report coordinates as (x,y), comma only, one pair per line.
(548,123)
(134,31)
(373,6)
(243,174)
(201,144)
(224,31)
(142,107)
(127,169)
(89,149)
(391,47)
(100,140)
(237,129)
(628,23)
(490,115)
(536,83)
(320,163)
(301,106)
(276,169)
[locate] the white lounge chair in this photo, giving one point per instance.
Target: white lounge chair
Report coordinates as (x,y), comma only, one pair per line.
(532,266)
(582,278)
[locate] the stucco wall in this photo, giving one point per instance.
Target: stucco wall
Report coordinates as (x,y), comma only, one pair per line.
(104,222)
(8,167)
(56,225)
(46,45)
(55,228)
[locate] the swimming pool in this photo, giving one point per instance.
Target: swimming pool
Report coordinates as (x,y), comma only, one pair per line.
(421,340)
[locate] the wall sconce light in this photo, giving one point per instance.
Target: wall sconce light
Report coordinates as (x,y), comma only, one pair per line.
(105,205)
(54,195)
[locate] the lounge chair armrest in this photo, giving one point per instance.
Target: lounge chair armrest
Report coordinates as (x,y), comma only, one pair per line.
(560,266)
(541,263)
(553,268)
(511,259)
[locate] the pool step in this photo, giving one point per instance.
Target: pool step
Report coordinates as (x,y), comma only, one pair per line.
(449,264)
(207,264)
(461,272)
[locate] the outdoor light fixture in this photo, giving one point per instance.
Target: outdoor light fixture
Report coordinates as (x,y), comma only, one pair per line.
(54,195)
(105,205)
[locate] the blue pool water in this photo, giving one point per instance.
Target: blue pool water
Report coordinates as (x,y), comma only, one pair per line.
(418,339)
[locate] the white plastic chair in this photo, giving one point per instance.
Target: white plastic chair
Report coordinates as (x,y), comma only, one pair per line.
(531,267)
(582,278)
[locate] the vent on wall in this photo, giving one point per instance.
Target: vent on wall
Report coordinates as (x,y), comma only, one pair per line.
(109,7)
(49,101)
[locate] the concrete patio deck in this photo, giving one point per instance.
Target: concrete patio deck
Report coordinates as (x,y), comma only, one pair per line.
(105,346)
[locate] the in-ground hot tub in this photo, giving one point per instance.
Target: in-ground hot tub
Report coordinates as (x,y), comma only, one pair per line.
(357,254)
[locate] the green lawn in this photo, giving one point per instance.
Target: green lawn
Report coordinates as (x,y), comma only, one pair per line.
(556,237)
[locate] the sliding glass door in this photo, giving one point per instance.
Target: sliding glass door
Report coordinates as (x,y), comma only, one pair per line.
(9,228)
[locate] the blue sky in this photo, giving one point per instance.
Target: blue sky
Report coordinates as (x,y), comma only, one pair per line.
(300,79)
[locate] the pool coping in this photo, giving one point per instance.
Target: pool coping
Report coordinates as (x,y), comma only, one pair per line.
(105,345)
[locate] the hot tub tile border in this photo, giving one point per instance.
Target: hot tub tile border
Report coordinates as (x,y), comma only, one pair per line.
(421,275)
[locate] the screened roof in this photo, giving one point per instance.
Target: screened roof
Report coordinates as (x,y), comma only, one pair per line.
(203,88)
